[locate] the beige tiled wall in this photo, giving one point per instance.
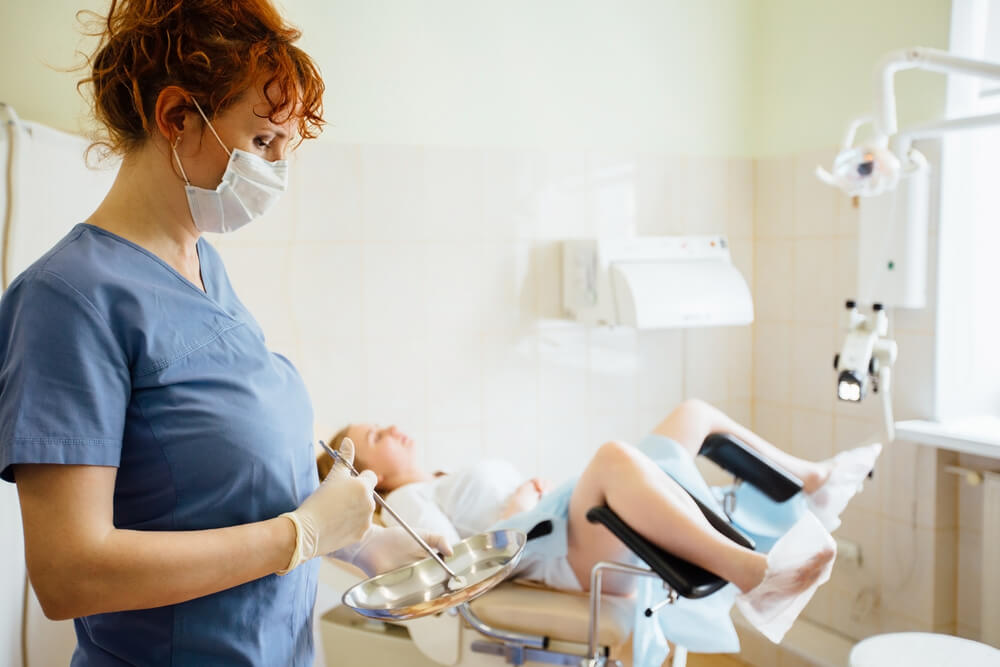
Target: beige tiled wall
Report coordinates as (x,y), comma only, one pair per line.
(970,564)
(421,286)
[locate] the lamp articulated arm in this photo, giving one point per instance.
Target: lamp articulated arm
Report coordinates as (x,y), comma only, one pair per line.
(873,168)
(933,60)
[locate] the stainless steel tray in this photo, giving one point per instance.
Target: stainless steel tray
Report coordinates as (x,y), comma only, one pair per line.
(421,588)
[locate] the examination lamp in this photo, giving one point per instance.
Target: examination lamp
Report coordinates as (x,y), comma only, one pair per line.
(875,167)
(865,361)
(892,176)
(867,170)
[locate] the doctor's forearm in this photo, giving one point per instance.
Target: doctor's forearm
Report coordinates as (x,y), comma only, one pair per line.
(80,564)
(142,569)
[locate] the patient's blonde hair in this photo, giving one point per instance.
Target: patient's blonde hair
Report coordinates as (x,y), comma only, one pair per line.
(325,463)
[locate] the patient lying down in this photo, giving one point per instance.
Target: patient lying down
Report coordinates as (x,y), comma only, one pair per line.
(774,587)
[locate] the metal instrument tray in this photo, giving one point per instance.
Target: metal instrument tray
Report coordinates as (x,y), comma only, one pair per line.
(421,588)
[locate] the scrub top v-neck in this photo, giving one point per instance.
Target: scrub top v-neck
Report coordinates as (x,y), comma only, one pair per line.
(108,356)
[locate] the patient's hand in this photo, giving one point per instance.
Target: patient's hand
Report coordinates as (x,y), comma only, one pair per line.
(542,485)
(526,496)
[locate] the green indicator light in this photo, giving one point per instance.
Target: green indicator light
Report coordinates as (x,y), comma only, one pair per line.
(892,265)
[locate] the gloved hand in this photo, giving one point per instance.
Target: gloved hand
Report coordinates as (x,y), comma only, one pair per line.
(383,549)
(337,514)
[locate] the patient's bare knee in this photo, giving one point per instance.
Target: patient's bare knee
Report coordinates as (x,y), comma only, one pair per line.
(614,453)
(689,423)
(694,410)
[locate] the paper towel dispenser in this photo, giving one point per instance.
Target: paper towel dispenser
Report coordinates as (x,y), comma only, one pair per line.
(654,282)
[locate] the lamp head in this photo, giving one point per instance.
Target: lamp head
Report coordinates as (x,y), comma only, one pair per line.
(863,170)
(852,386)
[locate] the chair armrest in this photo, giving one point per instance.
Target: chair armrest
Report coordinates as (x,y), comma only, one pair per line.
(734,456)
(686,578)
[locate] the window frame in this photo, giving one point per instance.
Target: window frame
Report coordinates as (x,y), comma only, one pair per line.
(956,361)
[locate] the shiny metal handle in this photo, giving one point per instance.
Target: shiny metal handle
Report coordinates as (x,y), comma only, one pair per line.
(378,499)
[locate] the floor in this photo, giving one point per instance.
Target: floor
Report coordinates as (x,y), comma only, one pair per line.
(710,660)
(694,660)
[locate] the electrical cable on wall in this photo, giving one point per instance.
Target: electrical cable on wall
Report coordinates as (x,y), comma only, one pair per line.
(11,122)
(9,126)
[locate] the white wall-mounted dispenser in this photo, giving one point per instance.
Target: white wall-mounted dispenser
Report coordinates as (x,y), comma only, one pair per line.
(657,282)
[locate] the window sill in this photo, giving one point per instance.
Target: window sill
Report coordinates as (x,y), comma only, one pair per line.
(974,435)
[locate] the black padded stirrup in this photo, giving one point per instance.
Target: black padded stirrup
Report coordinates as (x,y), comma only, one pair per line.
(732,455)
(686,578)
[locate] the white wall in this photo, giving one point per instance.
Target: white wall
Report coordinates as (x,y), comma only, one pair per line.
(12,586)
(421,286)
(37,40)
(638,74)
(814,64)
(714,77)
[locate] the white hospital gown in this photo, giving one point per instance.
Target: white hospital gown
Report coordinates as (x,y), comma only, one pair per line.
(471,501)
(457,505)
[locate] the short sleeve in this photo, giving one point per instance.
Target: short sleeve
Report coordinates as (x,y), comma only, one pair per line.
(64,378)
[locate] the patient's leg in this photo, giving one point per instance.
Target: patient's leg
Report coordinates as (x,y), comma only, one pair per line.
(654,505)
(693,420)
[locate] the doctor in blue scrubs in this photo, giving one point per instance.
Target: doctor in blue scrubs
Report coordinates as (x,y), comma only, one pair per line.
(163,455)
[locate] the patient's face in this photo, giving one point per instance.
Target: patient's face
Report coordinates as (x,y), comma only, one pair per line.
(385,450)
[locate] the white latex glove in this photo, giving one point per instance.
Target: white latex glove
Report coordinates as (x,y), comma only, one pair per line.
(337,514)
(383,549)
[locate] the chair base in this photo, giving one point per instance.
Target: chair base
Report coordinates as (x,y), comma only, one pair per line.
(519,655)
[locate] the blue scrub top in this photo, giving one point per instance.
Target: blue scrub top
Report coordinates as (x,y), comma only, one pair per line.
(110,357)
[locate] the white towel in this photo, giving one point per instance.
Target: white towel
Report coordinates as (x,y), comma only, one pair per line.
(768,607)
(850,468)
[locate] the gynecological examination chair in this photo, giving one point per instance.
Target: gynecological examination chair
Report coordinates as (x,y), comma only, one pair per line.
(522,623)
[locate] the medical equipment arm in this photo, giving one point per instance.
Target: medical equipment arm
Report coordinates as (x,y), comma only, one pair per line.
(871,169)
(933,60)
(893,239)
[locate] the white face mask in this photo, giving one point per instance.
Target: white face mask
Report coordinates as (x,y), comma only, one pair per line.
(250,187)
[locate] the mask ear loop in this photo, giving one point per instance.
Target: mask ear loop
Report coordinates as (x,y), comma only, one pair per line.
(207,122)
(173,147)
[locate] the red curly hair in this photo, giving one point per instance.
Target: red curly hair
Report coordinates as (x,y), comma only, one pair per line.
(214,50)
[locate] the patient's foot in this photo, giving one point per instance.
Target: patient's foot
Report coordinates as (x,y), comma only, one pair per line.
(816,475)
(847,473)
(799,562)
